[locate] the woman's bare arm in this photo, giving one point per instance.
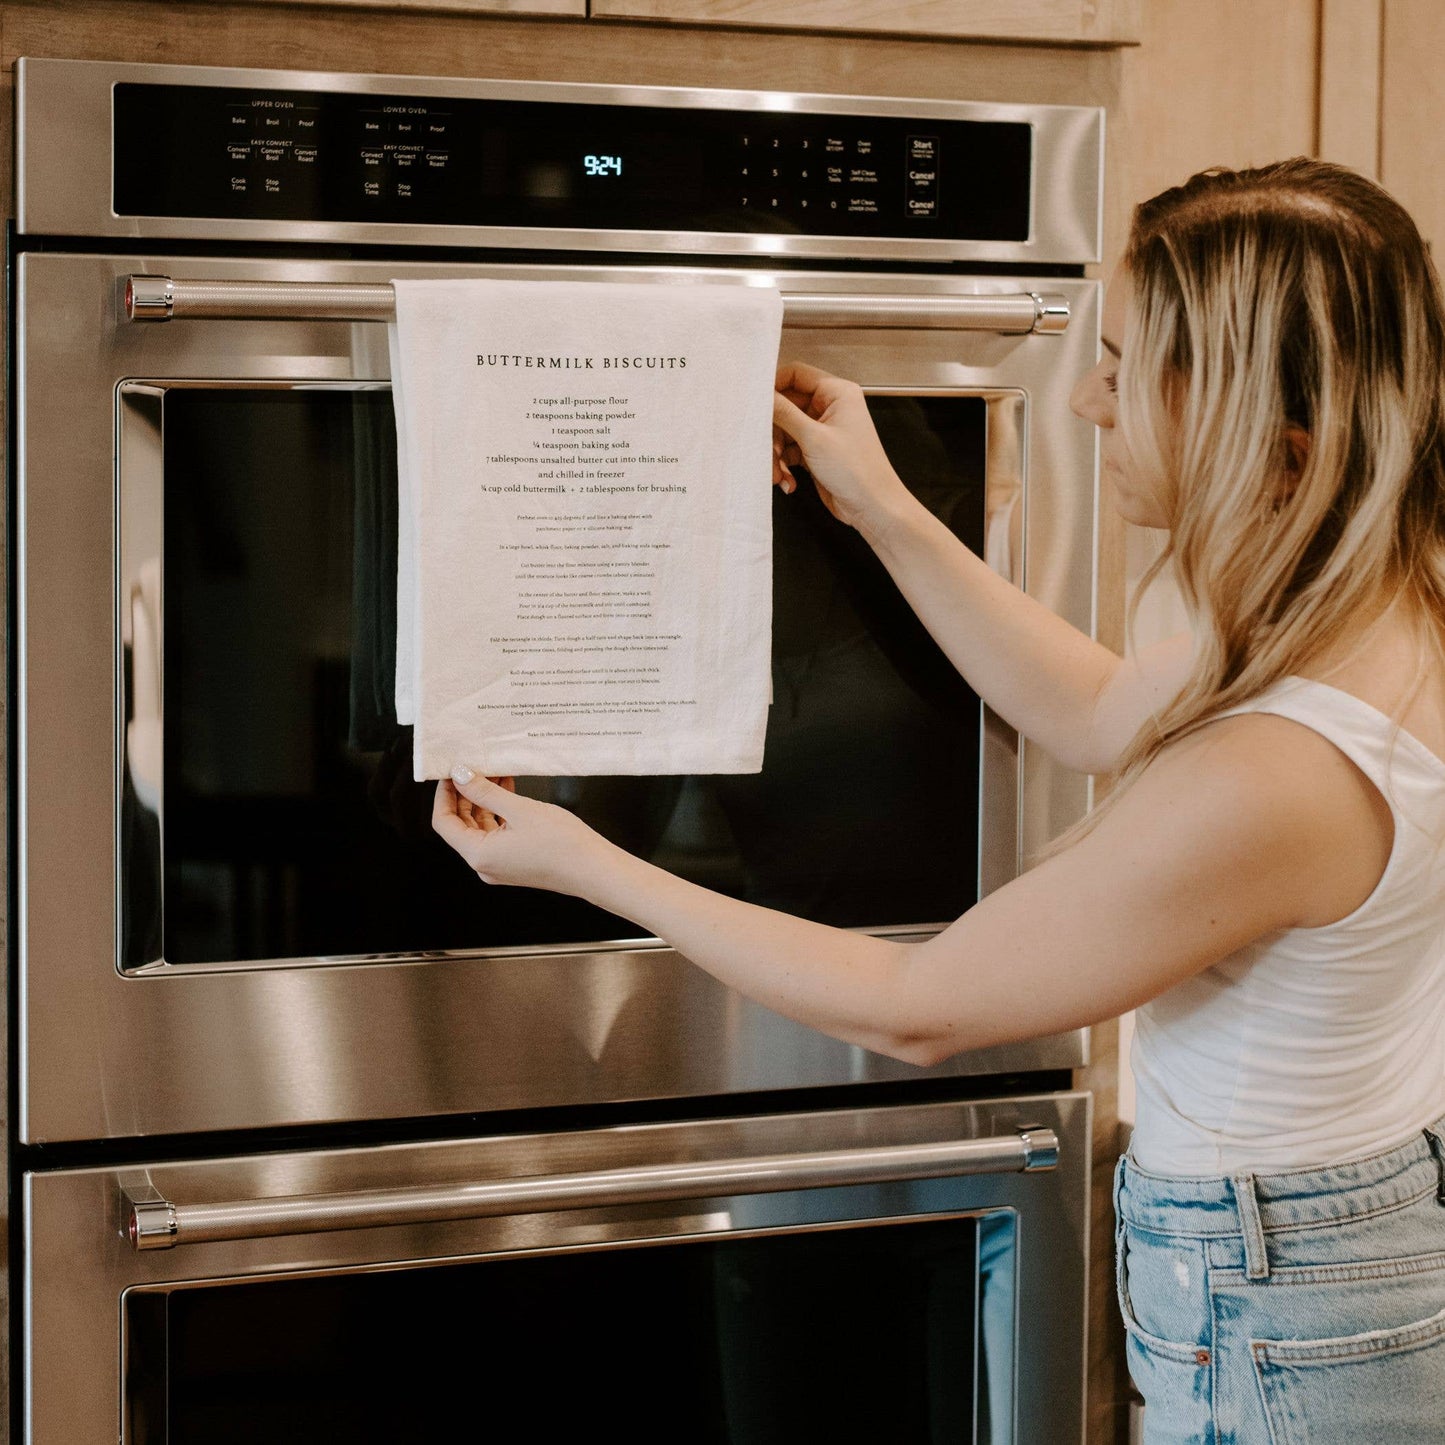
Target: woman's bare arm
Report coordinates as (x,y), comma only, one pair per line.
(1056,685)
(1251,825)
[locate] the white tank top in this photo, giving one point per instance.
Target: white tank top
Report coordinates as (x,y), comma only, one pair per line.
(1313,1046)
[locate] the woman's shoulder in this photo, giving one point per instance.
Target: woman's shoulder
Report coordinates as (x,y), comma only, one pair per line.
(1275,787)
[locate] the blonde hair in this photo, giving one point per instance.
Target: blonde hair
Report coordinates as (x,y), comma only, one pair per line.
(1296,296)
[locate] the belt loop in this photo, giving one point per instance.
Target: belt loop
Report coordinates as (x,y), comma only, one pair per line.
(1435,1138)
(1256,1258)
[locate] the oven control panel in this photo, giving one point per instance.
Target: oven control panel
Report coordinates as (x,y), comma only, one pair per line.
(325,156)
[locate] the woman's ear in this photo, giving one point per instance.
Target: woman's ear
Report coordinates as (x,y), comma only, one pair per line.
(1296,456)
(1296,452)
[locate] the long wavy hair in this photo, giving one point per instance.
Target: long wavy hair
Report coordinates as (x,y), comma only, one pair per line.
(1282,388)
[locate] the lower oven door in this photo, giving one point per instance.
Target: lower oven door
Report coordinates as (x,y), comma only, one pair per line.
(909,1274)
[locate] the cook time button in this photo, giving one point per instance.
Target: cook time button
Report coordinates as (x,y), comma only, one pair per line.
(921,173)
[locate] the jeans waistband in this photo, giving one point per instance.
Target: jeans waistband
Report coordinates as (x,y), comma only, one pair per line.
(1284,1199)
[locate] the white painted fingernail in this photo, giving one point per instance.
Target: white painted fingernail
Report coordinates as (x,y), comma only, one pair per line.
(462,774)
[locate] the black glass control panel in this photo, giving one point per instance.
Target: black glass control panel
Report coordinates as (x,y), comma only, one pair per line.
(293,155)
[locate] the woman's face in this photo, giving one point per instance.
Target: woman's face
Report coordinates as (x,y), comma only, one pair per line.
(1095,397)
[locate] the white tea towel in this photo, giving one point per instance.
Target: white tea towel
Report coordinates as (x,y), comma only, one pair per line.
(585,576)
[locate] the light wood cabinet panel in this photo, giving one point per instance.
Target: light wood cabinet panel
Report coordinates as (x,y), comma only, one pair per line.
(1068,22)
(1350,35)
(1412,113)
(1231,83)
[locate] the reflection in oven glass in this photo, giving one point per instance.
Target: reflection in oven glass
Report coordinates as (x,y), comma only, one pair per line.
(291,826)
(900,1332)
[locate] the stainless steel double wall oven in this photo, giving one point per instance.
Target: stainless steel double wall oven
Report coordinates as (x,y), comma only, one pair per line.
(314,1132)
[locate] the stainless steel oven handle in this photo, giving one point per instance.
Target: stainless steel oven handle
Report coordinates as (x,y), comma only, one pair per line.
(162,298)
(155,1223)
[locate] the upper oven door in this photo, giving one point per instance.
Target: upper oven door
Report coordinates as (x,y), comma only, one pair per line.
(231,910)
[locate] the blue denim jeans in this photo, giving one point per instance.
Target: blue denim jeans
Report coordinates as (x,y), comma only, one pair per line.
(1305,1307)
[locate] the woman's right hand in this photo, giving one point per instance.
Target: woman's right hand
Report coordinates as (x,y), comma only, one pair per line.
(821,422)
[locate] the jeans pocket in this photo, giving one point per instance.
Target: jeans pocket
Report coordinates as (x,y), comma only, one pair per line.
(1381,1384)
(1173,1375)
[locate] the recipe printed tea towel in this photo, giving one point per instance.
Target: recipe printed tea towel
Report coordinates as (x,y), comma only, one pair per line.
(584,579)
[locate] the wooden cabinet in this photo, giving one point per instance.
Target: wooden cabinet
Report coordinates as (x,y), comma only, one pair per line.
(575,8)
(1059,22)
(1101,23)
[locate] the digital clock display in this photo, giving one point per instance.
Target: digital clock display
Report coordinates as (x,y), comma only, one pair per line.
(602,165)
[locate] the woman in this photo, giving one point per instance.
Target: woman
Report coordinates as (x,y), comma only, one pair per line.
(1266,881)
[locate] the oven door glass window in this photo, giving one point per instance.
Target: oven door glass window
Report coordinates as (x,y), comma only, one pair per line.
(272,808)
(900,1332)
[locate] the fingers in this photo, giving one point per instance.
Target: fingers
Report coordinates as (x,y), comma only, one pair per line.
(783,473)
(486,793)
(448,825)
(790,418)
(799,377)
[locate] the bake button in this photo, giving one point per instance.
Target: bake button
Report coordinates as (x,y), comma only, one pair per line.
(372,127)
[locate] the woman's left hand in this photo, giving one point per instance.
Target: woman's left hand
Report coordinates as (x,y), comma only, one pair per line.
(509,839)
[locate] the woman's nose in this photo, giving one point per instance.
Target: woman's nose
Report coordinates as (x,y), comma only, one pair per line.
(1092,400)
